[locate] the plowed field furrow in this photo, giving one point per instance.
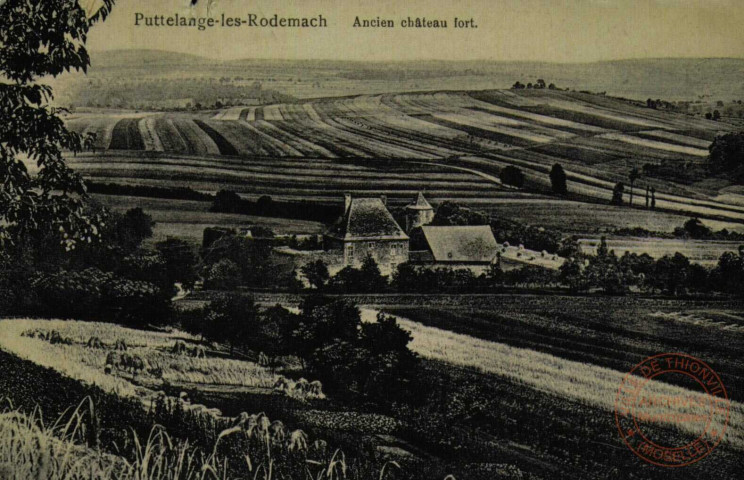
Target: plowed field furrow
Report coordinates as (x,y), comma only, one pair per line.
(297,144)
(271,144)
(149,135)
(197,141)
(223,145)
(126,135)
(155,171)
(308,171)
(244,140)
(169,136)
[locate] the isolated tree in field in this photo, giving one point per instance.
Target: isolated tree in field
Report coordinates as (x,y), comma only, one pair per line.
(617,194)
(716,115)
(633,176)
(558,179)
(316,273)
(694,228)
(513,176)
(41,38)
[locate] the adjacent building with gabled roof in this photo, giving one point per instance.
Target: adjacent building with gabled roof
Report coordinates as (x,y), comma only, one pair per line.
(462,245)
(368,228)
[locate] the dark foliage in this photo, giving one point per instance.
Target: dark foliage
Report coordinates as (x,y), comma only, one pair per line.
(371,360)
(41,39)
(558,179)
(450,213)
(91,294)
(231,319)
(230,202)
(176,193)
(727,153)
(366,279)
(180,260)
(411,279)
(617,194)
(511,175)
(316,273)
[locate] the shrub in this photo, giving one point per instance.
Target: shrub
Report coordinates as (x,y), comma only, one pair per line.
(223,275)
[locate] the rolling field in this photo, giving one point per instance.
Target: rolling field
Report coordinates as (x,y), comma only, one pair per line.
(389,143)
(576,350)
(614,333)
(187,219)
(533,393)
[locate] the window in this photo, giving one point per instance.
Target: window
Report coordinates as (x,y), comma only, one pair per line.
(350,254)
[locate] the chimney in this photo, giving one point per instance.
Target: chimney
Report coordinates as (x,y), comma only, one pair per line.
(347,202)
(384,199)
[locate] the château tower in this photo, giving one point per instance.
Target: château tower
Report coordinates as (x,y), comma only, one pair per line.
(418,213)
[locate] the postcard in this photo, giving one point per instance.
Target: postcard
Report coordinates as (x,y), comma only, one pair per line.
(346,239)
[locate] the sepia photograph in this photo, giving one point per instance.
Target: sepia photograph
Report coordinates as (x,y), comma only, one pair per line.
(371,240)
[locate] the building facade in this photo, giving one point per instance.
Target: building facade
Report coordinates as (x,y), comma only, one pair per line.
(367,229)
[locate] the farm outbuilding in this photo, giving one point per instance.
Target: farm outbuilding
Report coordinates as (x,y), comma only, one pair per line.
(466,245)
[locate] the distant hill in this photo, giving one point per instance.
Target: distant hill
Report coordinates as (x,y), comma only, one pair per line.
(137,58)
(703,80)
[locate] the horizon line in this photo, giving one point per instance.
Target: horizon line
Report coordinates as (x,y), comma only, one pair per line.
(577,62)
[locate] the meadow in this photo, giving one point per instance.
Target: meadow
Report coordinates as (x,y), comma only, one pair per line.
(187,219)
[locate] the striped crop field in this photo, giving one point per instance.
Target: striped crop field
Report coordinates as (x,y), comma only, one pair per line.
(596,139)
(321,180)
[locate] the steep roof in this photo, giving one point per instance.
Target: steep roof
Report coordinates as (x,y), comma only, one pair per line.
(420,203)
(461,244)
(367,219)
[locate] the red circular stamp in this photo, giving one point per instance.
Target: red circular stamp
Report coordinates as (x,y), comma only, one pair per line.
(672,410)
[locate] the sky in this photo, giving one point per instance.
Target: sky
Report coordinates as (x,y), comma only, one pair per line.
(508,30)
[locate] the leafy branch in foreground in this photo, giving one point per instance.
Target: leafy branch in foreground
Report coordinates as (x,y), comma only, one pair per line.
(38,191)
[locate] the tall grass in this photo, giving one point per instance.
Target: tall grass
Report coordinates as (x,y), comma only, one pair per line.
(255,448)
(32,449)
